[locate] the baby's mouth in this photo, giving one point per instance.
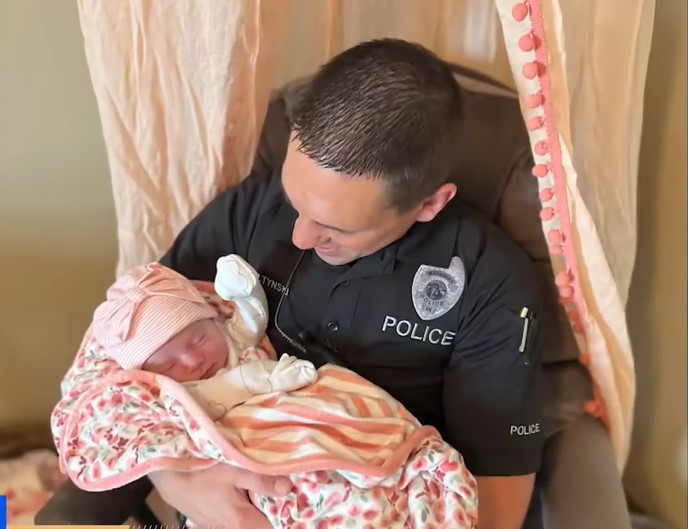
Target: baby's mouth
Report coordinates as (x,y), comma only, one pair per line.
(209,373)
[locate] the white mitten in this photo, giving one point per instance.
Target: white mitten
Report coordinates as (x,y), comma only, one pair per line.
(235,278)
(266,376)
(237,281)
(231,387)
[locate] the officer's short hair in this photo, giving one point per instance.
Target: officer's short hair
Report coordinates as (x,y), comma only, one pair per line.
(385,109)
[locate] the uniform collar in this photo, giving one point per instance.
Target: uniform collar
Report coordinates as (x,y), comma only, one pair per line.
(431,243)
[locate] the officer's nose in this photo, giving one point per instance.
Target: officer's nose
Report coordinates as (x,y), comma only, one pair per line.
(306,235)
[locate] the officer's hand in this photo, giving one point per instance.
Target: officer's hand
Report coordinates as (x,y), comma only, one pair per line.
(217,496)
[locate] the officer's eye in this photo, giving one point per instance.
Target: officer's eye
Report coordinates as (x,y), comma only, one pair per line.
(341,232)
(334,229)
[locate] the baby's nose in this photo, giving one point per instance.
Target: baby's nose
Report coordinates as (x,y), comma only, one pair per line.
(191,359)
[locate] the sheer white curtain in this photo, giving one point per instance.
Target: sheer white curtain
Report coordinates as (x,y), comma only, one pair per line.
(182,89)
(592,68)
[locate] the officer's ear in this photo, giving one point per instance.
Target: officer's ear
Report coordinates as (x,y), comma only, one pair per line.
(432,205)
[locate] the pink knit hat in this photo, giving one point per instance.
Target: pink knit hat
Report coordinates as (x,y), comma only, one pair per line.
(144,309)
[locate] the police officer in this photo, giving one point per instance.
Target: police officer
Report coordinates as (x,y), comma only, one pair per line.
(369,261)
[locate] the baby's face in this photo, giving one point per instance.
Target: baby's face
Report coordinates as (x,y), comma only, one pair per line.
(196,353)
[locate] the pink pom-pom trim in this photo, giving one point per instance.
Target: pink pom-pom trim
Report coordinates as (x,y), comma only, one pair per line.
(519,12)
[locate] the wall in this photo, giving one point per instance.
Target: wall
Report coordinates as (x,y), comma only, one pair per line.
(656,475)
(57,224)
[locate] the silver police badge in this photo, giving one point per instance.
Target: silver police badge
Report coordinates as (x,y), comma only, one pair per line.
(436,290)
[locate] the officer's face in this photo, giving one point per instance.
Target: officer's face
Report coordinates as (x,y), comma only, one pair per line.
(343,218)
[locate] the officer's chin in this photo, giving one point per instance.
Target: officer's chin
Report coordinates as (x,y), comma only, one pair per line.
(333,257)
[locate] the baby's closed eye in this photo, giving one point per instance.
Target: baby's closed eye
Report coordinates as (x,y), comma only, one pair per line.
(198,340)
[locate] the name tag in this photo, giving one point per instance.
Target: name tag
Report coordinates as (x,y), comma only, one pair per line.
(274,285)
(419,332)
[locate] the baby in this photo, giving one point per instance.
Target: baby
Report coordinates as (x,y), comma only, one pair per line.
(351,451)
(156,320)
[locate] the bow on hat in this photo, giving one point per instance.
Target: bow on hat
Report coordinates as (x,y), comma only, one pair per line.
(124,298)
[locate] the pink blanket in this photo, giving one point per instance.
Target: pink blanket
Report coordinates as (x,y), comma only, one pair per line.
(356,457)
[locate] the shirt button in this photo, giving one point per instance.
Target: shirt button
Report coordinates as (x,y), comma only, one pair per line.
(333,326)
(346,283)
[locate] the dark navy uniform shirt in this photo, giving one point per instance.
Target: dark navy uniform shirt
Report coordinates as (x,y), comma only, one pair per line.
(473,372)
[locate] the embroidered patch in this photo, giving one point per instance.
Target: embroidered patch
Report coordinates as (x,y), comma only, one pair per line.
(436,290)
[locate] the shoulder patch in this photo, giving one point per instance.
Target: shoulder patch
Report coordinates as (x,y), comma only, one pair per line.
(436,290)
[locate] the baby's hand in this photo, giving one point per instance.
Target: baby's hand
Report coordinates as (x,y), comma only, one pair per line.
(235,278)
(266,376)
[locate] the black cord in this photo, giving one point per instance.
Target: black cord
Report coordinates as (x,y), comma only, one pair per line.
(311,349)
(288,338)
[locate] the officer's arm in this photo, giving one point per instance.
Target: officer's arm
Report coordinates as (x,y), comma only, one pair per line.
(224,226)
(491,391)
